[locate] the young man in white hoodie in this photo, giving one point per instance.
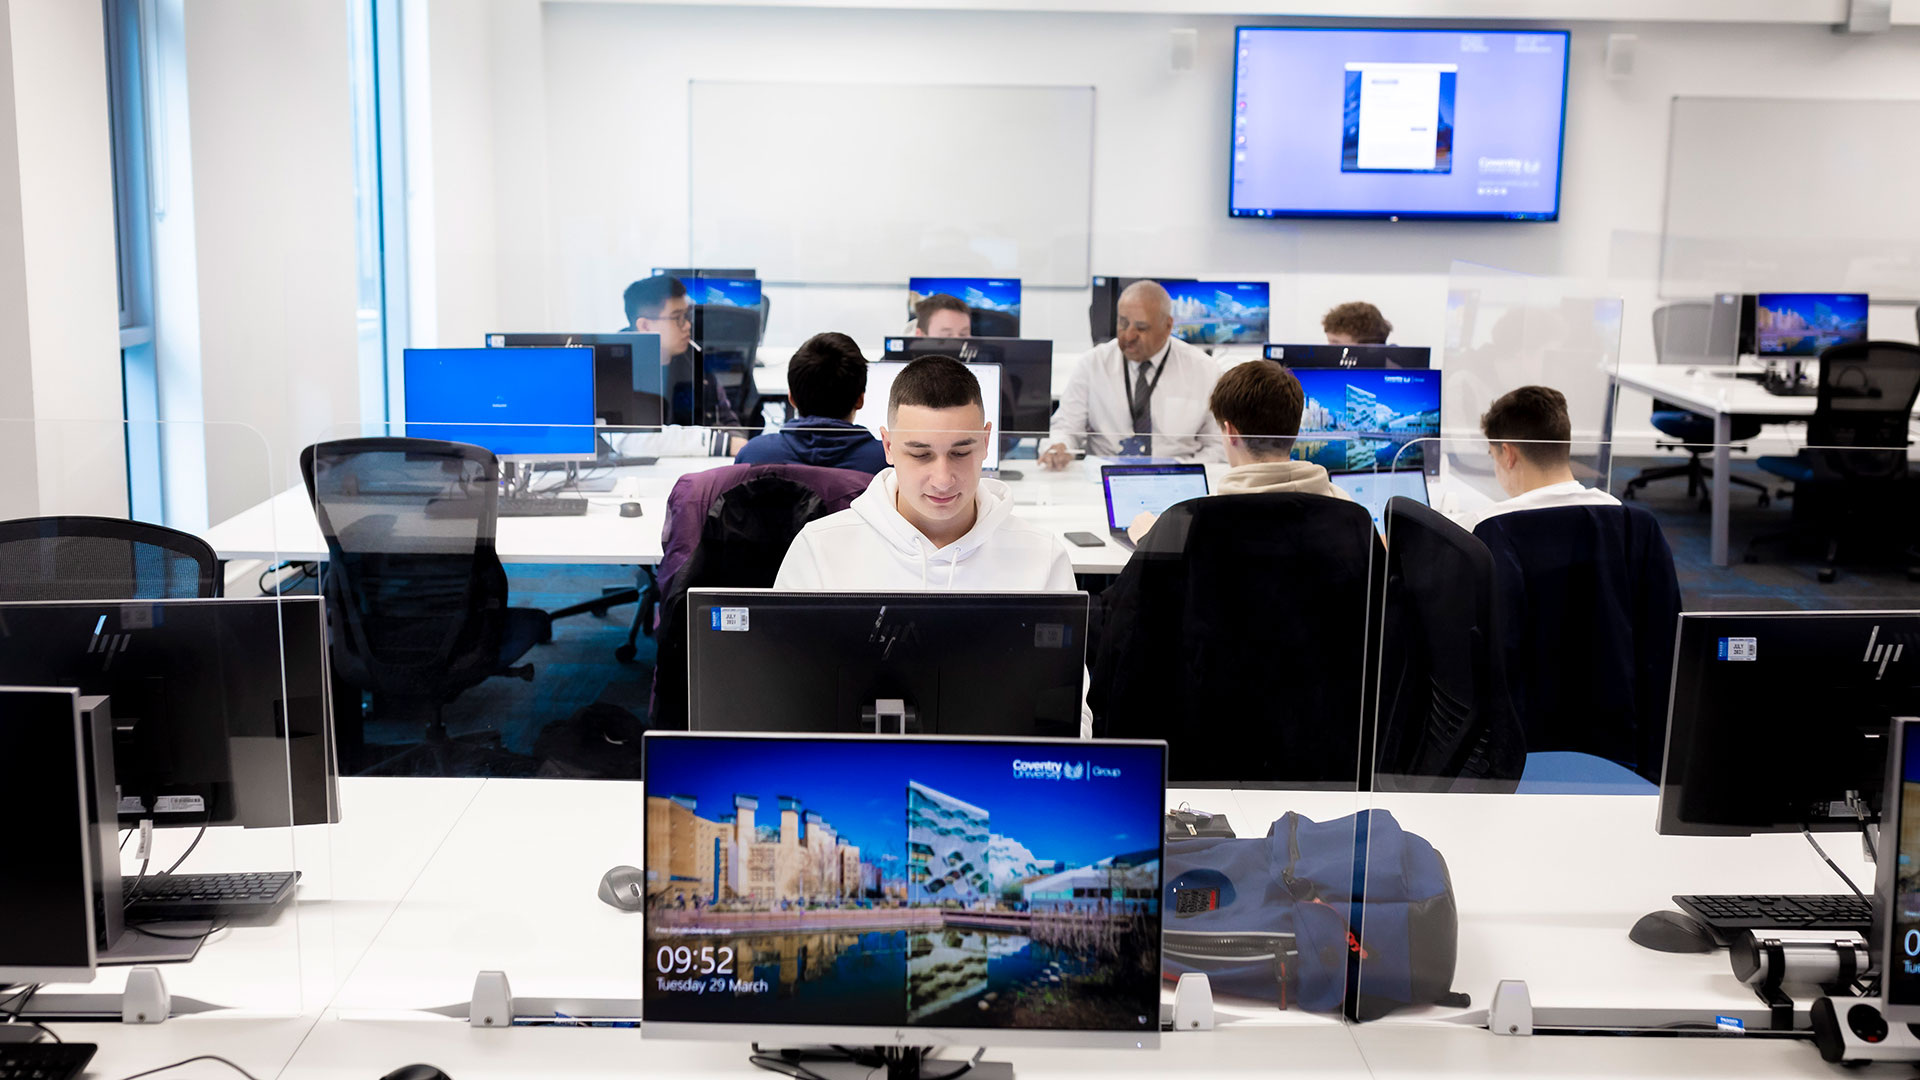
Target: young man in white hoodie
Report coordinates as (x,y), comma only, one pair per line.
(930,521)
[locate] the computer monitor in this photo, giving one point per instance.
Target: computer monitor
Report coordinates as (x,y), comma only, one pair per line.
(687,273)
(993,302)
(1372,417)
(1806,324)
(1896,912)
(1400,357)
(522,404)
(210,733)
(713,291)
(1104,307)
(1778,720)
(1132,490)
(1219,312)
(632,387)
(880,376)
(1026,372)
(903,892)
(962,663)
(1372,488)
(46,906)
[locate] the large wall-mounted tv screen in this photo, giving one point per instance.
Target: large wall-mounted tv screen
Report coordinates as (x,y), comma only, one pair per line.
(1398,123)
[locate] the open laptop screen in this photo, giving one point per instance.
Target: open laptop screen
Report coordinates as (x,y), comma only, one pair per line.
(1134,488)
(1372,489)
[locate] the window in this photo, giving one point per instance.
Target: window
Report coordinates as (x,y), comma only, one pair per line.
(133,242)
(379,197)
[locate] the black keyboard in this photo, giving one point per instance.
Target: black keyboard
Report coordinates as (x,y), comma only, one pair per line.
(44,1060)
(206,896)
(1728,915)
(527,506)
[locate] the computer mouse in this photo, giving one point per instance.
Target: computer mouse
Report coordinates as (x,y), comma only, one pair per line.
(1672,931)
(630,509)
(624,887)
(416,1072)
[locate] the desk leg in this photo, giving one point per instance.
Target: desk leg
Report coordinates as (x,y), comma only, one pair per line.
(1722,484)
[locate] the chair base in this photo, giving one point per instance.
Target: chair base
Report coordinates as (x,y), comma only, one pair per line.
(1699,480)
(609,599)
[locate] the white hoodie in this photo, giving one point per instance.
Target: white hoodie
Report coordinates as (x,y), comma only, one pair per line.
(870,547)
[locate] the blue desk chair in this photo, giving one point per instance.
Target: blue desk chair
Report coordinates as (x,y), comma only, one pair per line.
(1853,473)
(1682,334)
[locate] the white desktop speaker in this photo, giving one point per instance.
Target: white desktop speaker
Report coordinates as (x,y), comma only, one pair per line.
(1183,48)
(1620,50)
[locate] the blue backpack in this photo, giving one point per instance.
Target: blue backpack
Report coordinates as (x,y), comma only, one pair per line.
(1353,914)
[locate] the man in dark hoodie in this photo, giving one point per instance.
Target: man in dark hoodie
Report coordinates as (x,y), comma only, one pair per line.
(826,385)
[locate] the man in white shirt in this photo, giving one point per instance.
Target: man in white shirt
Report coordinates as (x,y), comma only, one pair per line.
(930,521)
(1528,434)
(1141,394)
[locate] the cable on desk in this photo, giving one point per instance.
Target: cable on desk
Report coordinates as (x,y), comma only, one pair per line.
(202,935)
(23,997)
(1808,833)
(191,1060)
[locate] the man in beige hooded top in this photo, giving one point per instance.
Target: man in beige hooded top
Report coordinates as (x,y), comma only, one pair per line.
(1258,405)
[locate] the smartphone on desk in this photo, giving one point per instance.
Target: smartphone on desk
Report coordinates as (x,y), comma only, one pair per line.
(1085,539)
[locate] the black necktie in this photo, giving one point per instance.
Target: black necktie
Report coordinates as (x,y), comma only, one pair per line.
(1142,403)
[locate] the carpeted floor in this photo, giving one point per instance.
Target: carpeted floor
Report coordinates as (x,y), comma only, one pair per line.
(578,669)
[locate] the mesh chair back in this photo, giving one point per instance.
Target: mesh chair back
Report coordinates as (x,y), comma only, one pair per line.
(413,582)
(98,558)
(1867,391)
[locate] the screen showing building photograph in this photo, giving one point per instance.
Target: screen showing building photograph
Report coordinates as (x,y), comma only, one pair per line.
(1219,312)
(980,294)
(724,292)
(915,881)
(1805,324)
(1367,417)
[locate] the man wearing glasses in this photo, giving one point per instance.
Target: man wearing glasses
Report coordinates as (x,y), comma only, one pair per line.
(659,305)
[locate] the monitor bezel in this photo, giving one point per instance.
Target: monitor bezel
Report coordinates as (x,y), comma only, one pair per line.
(21,973)
(908,1034)
(1560,153)
(1887,870)
(1178,468)
(592,426)
(1385,353)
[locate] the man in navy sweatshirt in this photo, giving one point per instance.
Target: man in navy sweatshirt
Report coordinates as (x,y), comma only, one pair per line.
(826,385)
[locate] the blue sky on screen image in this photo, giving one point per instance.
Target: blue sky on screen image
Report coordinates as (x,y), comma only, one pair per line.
(1209,312)
(1804,324)
(1376,412)
(980,294)
(726,292)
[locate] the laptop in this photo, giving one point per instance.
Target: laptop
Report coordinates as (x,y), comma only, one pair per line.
(1133,488)
(1372,488)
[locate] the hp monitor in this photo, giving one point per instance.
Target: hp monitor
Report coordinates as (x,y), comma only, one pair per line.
(710,291)
(1367,418)
(1026,373)
(46,906)
(1400,357)
(903,893)
(993,302)
(952,663)
(212,730)
(1779,720)
(686,274)
(1357,122)
(632,386)
(1805,324)
(1219,312)
(522,404)
(880,376)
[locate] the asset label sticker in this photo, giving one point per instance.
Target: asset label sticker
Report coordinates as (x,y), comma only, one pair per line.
(1730,1023)
(179,804)
(1050,636)
(730,618)
(1739,648)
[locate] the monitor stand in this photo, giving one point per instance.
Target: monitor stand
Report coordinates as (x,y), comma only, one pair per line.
(901,1063)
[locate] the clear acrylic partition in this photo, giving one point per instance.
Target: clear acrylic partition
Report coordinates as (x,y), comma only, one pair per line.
(1526,680)
(217,698)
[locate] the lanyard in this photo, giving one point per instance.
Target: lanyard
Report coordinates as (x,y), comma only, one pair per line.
(1126,384)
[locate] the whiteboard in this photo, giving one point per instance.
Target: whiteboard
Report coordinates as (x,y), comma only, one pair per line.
(1774,195)
(872,184)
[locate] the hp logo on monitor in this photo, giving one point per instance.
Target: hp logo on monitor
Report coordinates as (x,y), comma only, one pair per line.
(1882,655)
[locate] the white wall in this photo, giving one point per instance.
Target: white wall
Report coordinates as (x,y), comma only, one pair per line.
(59,313)
(274,231)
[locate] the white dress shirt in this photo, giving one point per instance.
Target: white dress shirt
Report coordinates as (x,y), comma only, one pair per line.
(1565,493)
(1094,411)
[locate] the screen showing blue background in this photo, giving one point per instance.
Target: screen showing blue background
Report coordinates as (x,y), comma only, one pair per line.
(1498,121)
(1804,324)
(1219,312)
(462,395)
(980,294)
(1374,412)
(725,292)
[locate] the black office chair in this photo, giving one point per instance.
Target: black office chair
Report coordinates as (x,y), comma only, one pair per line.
(1680,336)
(1445,711)
(729,340)
(1866,396)
(101,558)
(416,595)
(1238,633)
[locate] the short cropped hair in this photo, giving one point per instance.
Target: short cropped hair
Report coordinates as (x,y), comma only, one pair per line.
(826,376)
(1262,401)
(646,297)
(934,382)
(923,311)
(1534,419)
(1358,320)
